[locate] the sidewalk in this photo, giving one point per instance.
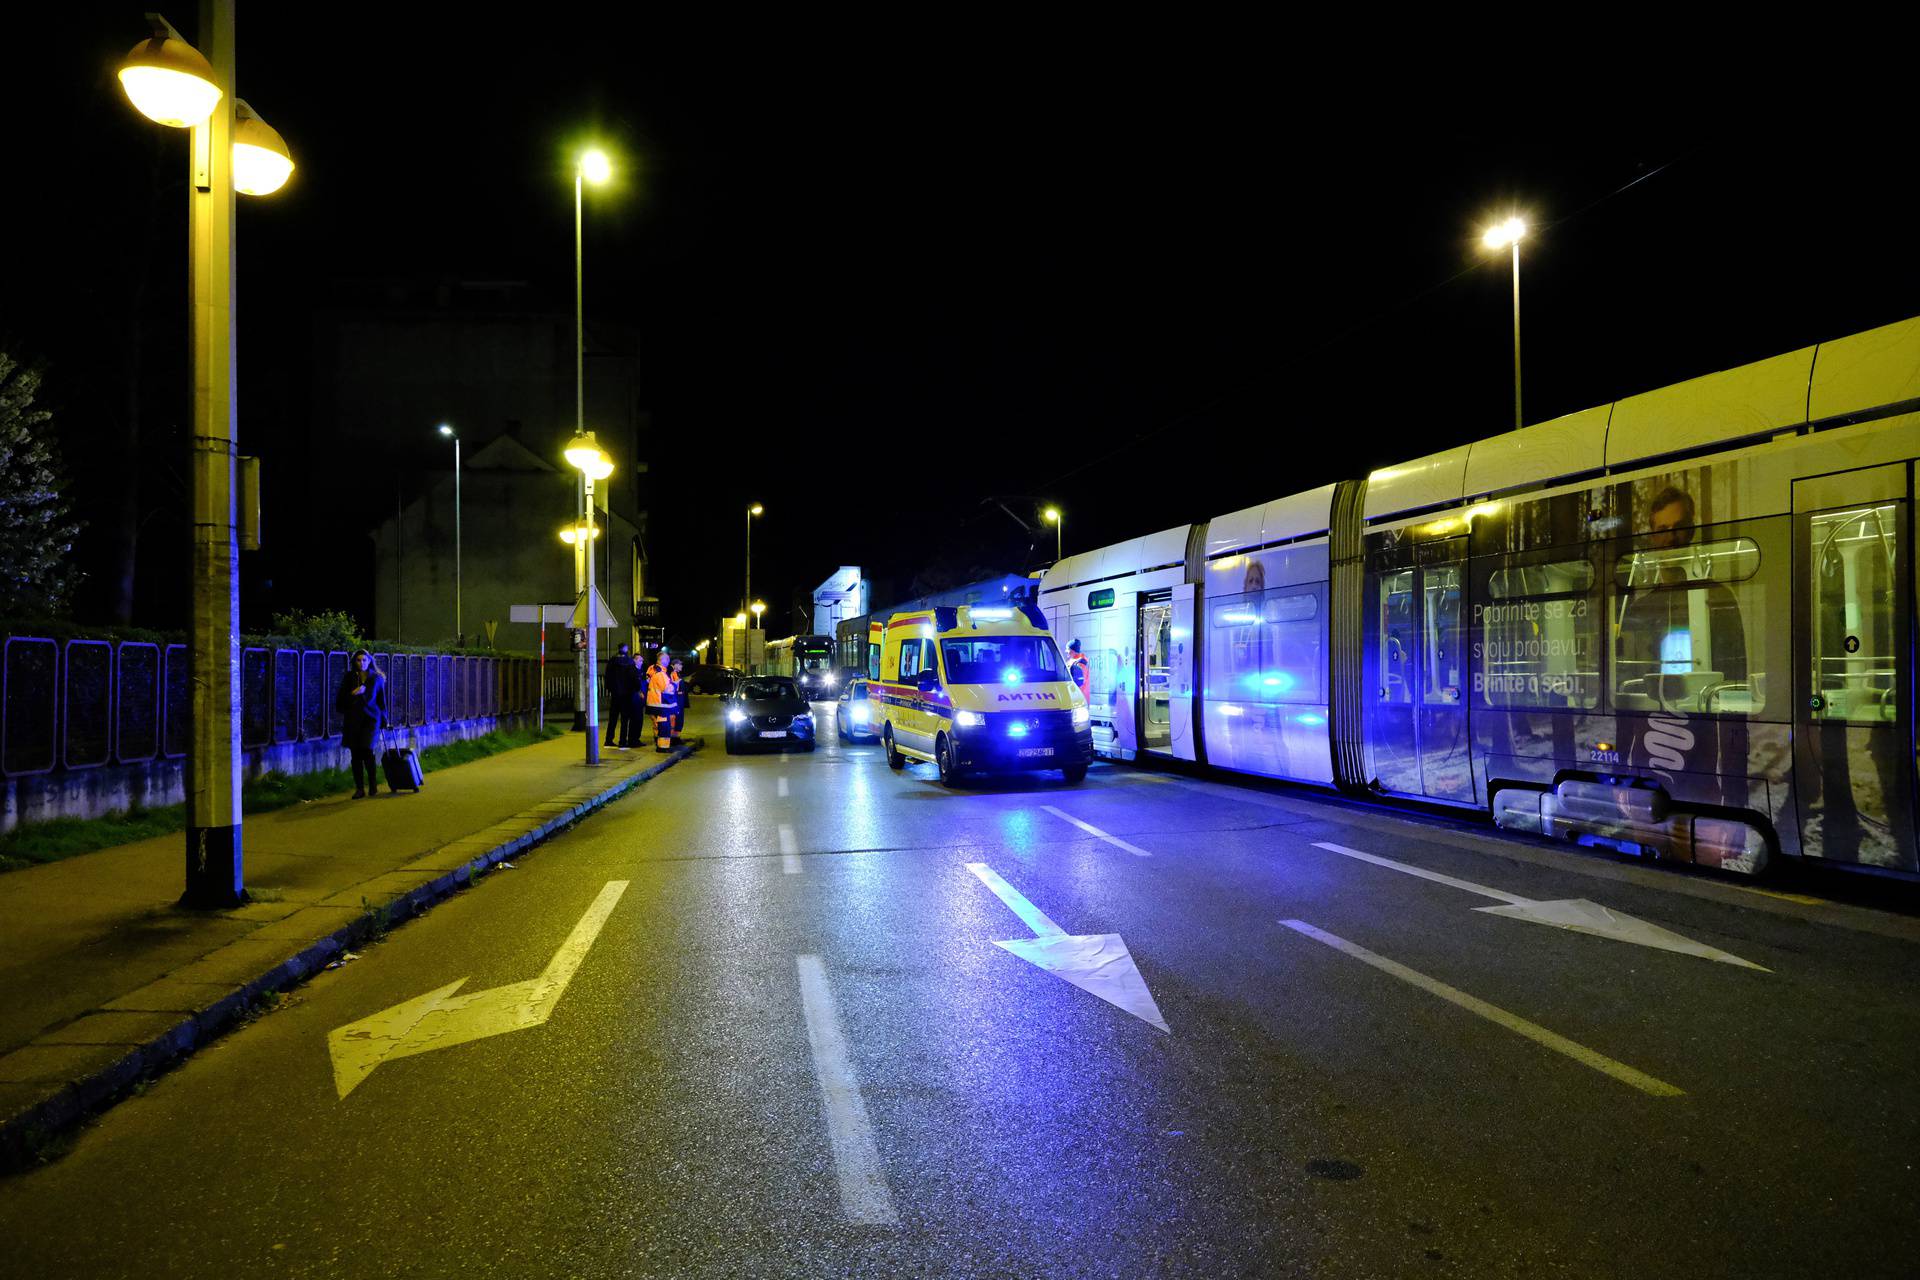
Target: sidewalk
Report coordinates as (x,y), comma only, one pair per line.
(104,980)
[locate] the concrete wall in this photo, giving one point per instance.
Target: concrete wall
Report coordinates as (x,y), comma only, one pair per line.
(93,793)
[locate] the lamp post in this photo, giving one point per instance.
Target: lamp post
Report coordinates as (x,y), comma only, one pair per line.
(591,166)
(231,150)
(752,511)
(1052,517)
(585,456)
(459,631)
(1501,236)
(758,609)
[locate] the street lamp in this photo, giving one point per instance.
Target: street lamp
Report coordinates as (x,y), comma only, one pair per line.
(758,609)
(1501,236)
(585,455)
(231,150)
(592,166)
(459,630)
(1052,517)
(752,511)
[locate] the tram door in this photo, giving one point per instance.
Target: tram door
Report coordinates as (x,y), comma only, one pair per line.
(1418,726)
(1853,725)
(1155,670)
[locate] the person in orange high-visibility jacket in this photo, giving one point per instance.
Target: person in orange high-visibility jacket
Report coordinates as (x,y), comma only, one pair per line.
(1080,670)
(660,703)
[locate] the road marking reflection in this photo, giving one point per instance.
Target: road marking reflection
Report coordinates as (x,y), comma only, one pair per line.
(1097,833)
(1512,1022)
(864,1195)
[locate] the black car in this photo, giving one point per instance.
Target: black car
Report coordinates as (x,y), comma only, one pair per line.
(853,713)
(767,711)
(709,677)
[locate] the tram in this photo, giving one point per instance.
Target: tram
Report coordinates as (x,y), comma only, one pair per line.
(1679,625)
(809,660)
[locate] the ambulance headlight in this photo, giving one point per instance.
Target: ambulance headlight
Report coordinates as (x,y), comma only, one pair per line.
(736,716)
(968,719)
(1080,717)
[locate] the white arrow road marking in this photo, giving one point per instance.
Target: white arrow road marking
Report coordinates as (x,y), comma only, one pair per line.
(1097,963)
(863,1179)
(789,850)
(1512,1022)
(1097,833)
(440,1019)
(1576,914)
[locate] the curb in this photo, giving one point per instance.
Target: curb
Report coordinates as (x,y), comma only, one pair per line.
(51,1108)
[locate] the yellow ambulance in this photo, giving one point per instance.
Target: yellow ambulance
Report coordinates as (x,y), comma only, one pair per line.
(978,690)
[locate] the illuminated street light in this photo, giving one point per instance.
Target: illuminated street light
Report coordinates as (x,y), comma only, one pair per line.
(572,533)
(168,80)
(230,150)
(1052,516)
(1500,236)
(459,631)
(261,163)
(758,609)
(592,166)
(586,456)
(752,511)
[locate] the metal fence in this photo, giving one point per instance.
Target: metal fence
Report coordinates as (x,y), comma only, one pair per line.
(81,704)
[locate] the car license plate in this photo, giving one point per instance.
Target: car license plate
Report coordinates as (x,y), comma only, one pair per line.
(1036,751)
(773,733)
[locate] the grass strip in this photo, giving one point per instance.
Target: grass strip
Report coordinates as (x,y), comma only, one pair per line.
(33,843)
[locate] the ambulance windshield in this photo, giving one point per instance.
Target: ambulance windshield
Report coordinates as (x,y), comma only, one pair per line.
(1002,660)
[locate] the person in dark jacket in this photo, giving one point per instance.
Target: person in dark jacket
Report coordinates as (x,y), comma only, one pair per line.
(633,723)
(362,704)
(620,682)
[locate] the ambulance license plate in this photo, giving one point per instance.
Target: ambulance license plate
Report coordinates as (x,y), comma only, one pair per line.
(1036,751)
(773,733)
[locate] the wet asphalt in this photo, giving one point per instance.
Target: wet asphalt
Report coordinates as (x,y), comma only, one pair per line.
(1307,1113)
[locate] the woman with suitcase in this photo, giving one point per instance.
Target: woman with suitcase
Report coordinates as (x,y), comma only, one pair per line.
(362,704)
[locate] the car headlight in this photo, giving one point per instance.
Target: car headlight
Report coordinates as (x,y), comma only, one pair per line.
(861,714)
(969,719)
(828,681)
(736,716)
(1080,717)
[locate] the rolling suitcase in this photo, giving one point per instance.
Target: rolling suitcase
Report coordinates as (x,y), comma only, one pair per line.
(402,768)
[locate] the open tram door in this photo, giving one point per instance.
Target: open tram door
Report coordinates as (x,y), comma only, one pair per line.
(1853,742)
(1164,673)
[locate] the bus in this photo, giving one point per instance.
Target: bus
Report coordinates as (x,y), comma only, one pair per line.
(1680,625)
(809,660)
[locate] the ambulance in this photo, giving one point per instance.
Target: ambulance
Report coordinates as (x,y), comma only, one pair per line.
(978,690)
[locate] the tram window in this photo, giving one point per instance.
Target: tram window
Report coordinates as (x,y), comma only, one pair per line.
(1854,558)
(1265,647)
(1681,640)
(1442,665)
(1536,639)
(1396,637)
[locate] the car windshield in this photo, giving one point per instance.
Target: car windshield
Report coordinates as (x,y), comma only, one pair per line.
(1001,660)
(767,690)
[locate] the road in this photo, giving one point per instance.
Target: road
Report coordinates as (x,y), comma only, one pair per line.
(753,1020)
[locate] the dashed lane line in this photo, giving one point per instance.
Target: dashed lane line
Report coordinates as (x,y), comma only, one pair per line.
(1097,833)
(1512,1022)
(789,850)
(864,1195)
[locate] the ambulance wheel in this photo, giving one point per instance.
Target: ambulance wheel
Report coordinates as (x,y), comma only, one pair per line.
(951,775)
(894,759)
(1074,773)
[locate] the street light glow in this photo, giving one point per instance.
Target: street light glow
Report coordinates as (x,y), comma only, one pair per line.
(756,509)
(1500,235)
(169,81)
(585,455)
(261,162)
(570,534)
(595,167)
(446,430)
(1052,515)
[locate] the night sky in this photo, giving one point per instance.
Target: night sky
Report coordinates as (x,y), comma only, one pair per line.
(886,273)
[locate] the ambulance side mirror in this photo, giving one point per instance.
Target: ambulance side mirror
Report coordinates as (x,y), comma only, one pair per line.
(929,681)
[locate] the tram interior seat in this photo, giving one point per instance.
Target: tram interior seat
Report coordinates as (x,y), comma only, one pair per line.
(1670,690)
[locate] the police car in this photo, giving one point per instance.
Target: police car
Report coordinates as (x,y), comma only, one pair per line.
(977,690)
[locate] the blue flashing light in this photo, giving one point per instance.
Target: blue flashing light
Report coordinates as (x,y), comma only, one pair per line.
(1310,717)
(1010,676)
(1016,730)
